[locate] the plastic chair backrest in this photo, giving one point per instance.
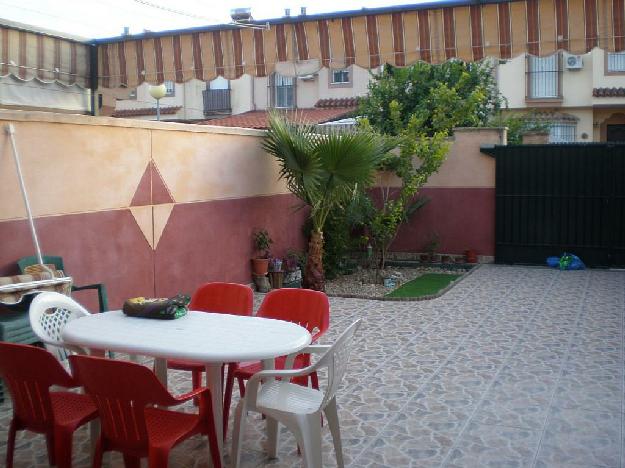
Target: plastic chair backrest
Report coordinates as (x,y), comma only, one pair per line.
(29,372)
(121,391)
(336,360)
(308,308)
(49,313)
(24,262)
(227,298)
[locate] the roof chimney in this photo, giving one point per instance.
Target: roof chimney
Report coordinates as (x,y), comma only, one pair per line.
(287,12)
(126,31)
(303,11)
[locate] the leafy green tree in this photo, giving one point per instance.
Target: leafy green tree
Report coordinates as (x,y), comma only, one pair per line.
(323,171)
(441,97)
(417,108)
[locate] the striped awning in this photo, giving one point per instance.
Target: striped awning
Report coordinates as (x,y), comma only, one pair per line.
(29,55)
(368,38)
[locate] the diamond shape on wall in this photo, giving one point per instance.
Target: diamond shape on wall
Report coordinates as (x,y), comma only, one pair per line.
(151,189)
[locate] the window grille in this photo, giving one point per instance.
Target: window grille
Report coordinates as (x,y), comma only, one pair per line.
(543,75)
(616,61)
(562,132)
(282,91)
(340,76)
(170,86)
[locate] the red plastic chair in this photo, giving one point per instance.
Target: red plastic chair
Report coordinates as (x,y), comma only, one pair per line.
(126,394)
(308,308)
(29,373)
(226,298)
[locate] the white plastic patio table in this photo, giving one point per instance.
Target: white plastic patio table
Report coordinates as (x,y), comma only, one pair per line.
(207,338)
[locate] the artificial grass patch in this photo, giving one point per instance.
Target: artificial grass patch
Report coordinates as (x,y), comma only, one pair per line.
(424,285)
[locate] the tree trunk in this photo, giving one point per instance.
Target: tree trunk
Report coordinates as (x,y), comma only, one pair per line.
(314,277)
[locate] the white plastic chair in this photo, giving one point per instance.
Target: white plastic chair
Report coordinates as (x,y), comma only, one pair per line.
(299,408)
(49,313)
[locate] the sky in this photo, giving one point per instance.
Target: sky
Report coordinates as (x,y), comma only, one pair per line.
(107,18)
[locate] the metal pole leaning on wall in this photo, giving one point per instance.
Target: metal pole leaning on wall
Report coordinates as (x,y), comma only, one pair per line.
(10,130)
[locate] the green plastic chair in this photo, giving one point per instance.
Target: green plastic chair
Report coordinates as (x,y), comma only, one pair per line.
(22,263)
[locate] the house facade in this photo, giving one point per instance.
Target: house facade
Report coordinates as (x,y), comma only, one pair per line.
(582,97)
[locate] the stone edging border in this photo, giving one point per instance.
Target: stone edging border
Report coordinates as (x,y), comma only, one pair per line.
(410,299)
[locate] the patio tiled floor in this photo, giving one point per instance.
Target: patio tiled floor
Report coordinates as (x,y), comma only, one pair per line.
(512,367)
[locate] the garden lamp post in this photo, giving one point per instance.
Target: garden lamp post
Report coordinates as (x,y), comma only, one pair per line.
(158,92)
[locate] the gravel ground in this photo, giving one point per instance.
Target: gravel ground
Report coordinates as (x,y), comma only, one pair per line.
(361,282)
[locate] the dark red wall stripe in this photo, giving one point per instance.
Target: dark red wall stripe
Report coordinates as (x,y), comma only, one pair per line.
(121,57)
(158,52)
(57,58)
(198,66)
(178,59)
(5,51)
(590,23)
(424,35)
(302,45)
(40,56)
(533,27)
(449,32)
(281,43)
(562,24)
(218,53)
(477,45)
(238,52)
(372,39)
(22,55)
(259,53)
(505,46)
(398,39)
(617,15)
(106,70)
(348,40)
(324,42)
(140,62)
(73,62)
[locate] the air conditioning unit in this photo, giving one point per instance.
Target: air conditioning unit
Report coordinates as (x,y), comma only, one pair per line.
(310,77)
(574,62)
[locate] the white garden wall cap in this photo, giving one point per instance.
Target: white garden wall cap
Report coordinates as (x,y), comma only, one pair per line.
(79,119)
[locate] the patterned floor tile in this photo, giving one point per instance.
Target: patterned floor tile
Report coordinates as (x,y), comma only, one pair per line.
(512,366)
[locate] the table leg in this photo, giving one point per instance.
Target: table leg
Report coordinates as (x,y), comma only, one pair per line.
(160,369)
(213,381)
(273,426)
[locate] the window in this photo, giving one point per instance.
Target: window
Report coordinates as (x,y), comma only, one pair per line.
(616,61)
(171,88)
(340,76)
(282,91)
(543,77)
(562,132)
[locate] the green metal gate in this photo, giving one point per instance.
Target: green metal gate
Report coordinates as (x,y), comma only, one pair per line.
(560,198)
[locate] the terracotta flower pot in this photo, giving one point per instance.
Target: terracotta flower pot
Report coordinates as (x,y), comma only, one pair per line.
(471,256)
(260,266)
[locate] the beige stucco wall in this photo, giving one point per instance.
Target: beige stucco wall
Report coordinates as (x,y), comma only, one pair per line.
(77,164)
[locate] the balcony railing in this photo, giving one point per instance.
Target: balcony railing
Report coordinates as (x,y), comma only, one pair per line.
(216,101)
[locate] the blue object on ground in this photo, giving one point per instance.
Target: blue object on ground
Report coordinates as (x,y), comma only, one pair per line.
(553,262)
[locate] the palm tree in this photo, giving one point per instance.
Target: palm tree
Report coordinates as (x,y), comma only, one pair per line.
(323,171)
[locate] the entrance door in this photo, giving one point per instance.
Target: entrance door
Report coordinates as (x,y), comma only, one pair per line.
(615,132)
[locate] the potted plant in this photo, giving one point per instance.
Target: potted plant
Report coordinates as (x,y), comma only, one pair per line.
(293,274)
(262,241)
(431,247)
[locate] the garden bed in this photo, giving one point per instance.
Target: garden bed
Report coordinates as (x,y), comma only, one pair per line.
(359,284)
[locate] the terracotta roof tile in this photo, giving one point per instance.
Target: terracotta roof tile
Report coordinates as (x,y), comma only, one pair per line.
(339,102)
(145,111)
(608,92)
(259,119)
